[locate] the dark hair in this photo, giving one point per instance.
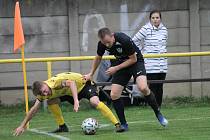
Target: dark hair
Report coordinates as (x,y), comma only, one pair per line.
(104,31)
(36,88)
(154,11)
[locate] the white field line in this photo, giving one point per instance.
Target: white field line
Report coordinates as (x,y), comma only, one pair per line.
(49,134)
(107,125)
(187,119)
(151,121)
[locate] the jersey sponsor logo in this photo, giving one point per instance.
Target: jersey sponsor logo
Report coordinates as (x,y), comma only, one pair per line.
(119,50)
(118,43)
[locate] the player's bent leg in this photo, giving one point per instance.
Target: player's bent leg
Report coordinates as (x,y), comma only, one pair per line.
(150,98)
(56,112)
(105,111)
(141,82)
(94,101)
(116,91)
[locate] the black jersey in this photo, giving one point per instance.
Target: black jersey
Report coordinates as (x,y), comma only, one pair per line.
(121,49)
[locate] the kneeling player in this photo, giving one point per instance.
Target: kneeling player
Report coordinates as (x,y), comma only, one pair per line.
(69,87)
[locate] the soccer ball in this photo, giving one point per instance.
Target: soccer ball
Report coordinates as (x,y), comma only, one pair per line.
(89,126)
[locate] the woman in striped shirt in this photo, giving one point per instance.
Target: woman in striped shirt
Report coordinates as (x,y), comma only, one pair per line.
(154,37)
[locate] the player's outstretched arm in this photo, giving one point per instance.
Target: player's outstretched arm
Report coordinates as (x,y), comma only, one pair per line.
(95,65)
(132,59)
(73,88)
(20,129)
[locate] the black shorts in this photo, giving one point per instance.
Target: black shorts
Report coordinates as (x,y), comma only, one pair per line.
(87,92)
(123,76)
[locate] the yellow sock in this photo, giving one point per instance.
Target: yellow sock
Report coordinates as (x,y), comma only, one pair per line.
(56,111)
(106,112)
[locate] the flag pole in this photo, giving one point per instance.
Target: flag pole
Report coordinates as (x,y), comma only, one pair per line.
(25,80)
(19,42)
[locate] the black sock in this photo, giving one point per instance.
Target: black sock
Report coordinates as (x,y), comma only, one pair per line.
(119,108)
(153,103)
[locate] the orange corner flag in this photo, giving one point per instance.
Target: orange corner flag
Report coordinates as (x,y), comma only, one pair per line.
(18,30)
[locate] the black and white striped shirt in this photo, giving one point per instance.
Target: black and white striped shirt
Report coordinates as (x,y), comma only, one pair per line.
(154,41)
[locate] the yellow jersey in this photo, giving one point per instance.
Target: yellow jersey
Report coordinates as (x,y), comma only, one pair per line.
(55,84)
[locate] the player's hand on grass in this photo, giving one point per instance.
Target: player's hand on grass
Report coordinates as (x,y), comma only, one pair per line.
(18,131)
(87,77)
(76,106)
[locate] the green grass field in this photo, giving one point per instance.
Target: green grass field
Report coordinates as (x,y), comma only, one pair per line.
(186,122)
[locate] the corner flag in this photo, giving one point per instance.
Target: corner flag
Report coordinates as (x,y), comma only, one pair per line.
(19,40)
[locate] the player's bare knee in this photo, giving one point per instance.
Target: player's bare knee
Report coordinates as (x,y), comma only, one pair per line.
(144,89)
(116,91)
(142,84)
(94,101)
(114,96)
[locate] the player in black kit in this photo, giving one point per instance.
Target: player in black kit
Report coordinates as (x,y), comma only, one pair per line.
(129,62)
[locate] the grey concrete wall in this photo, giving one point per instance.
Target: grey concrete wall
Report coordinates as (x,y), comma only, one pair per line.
(204,13)
(69,28)
(45,25)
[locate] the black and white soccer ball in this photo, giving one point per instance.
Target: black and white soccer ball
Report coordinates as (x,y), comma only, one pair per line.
(89,126)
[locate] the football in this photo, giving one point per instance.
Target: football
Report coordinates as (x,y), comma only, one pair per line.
(89,126)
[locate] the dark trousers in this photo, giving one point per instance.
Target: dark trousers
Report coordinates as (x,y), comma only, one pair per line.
(157,88)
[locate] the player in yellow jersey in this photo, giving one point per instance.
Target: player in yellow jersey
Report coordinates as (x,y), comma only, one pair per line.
(69,87)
